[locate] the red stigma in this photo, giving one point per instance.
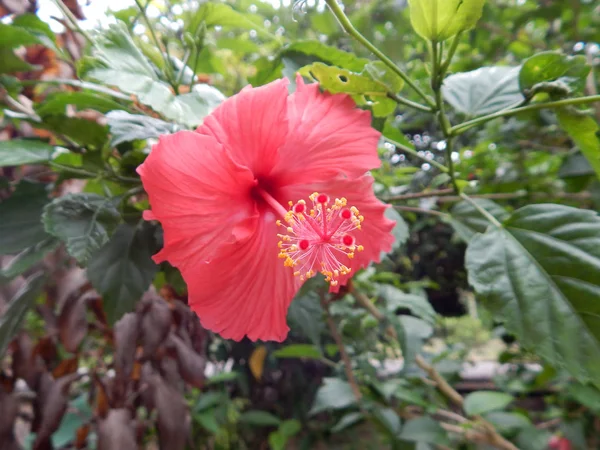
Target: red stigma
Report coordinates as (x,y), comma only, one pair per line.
(299,208)
(346,214)
(348,240)
(303,244)
(322,198)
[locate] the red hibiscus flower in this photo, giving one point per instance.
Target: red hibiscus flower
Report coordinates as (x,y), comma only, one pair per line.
(264,158)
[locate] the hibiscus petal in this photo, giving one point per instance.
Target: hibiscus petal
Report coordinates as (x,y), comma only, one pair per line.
(327,134)
(245,290)
(375,233)
(252,125)
(198,193)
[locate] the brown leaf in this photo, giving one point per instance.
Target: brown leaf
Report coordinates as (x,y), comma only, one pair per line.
(126,333)
(156,324)
(191,364)
(66,367)
(46,349)
(72,322)
(81,436)
(173,421)
(54,409)
(25,364)
(117,431)
(8,412)
(102,402)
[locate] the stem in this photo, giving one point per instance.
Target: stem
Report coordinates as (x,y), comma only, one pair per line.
(517,195)
(420,195)
(73,170)
(73,20)
(449,145)
(413,152)
(420,211)
(185,59)
(409,103)
(482,211)
(342,349)
(349,28)
(450,55)
(80,84)
(461,128)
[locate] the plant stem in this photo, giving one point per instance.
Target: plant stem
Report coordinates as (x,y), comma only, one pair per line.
(461,128)
(342,349)
(73,20)
(409,103)
(349,28)
(516,195)
(420,211)
(413,152)
(481,210)
(420,195)
(450,55)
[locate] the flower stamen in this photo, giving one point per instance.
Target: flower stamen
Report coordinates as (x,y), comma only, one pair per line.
(319,239)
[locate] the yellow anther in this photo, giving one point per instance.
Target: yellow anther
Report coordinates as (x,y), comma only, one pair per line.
(351,255)
(359,248)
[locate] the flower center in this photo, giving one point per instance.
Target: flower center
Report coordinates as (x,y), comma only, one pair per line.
(318,238)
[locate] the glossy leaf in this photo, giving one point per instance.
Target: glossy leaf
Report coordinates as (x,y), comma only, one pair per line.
(540,275)
(122,270)
(438,20)
(481,402)
(57,102)
(484,90)
(84,222)
(584,131)
(547,67)
(24,151)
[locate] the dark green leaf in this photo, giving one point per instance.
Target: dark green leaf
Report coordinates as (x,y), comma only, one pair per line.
(397,299)
(81,131)
(24,151)
(425,429)
(260,419)
(481,402)
(575,165)
(57,102)
(346,421)
(468,221)
(298,351)
(540,274)
(123,269)
(11,63)
(438,20)
(553,67)
(13,37)
(333,394)
(84,222)
(305,315)
(586,395)
(533,439)
(13,316)
(208,400)
(389,419)
(412,333)
(585,133)
(126,127)
(21,226)
(27,259)
(400,230)
(483,91)
(507,422)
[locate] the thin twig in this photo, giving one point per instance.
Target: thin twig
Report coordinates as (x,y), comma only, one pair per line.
(516,195)
(342,349)
(416,195)
(430,212)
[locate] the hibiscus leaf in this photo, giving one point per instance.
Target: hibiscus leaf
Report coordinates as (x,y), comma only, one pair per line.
(585,132)
(122,270)
(84,222)
(24,151)
(333,394)
(126,127)
(468,221)
(540,274)
(551,70)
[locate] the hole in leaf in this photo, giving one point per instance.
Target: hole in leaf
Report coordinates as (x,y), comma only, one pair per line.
(343,78)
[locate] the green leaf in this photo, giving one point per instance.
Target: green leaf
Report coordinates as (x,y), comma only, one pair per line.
(57,102)
(302,53)
(416,304)
(585,394)
(78,414)
(333,394)
(381,73)
(346,421)
(508,422)
(362,88)
(575,165)
(126,127)
(412,333)
(13,315)
(540,274)
(208,400)
(123,269)
(82,131)
(584,131)
(481,402)
(389,420)
(425,429)
(533,439)
(438,20)
(84,222)
(21,225)
(278,439)
(548,67)
(200,102)
(13,37)
(298,351)
(24,151)
(468,221)
(400,230)
(208,420)
(483,91)
(27,259)
(305,315)
(259,418)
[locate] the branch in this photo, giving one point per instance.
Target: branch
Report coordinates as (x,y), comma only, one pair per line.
(515,195)
(342,349)
(420,195)
(431,212)
(461,128)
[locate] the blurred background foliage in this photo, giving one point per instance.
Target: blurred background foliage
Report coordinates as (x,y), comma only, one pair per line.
(92,358)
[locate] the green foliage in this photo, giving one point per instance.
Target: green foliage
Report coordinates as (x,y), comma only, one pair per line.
(24,151)
(551,70)
(482,402)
